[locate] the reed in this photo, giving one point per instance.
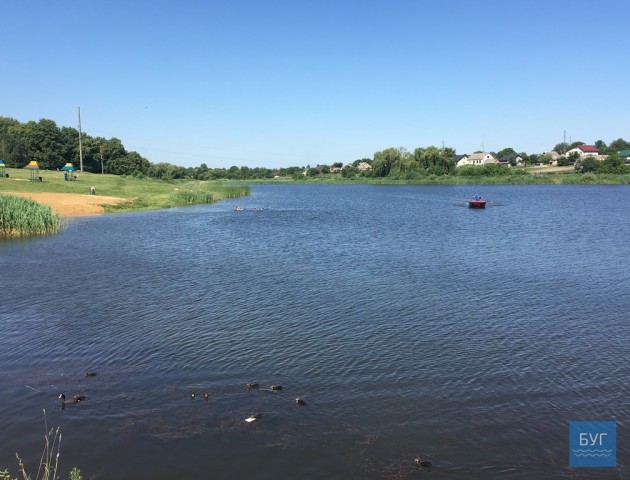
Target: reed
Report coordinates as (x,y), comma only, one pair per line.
(24,217)
(188,197)
(49,461)
(195,194)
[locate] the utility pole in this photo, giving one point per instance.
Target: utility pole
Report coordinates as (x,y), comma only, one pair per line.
(80,144)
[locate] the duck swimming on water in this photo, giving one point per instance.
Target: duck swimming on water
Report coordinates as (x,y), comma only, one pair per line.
(90,374)
(301,402)
(74,399)
(275,388)
(420,463)
(252,386)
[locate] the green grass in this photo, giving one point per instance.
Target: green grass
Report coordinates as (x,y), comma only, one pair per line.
(20,217)
(139,193)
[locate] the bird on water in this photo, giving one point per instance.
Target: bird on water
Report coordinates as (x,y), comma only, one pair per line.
(70,401)
(421,463)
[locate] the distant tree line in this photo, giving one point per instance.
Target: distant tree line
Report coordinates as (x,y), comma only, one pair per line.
(52,146)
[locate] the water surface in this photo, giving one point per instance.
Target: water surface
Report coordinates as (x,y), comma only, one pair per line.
(411,325)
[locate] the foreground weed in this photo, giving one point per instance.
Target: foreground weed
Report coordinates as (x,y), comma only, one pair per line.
(49,461)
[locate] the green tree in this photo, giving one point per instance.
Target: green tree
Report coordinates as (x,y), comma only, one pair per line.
(617,145)
(349,171)
(508,152)
(132,163)
(613,164)
(561,148)
(44,143)
(587,165)
(531,159)
(569,159)
(162,171)
(385,160)
(12,146)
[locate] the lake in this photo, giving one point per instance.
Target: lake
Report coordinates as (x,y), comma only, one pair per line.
(411,325)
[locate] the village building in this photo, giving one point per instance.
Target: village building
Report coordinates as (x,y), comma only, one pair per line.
(584,151)
(476,159)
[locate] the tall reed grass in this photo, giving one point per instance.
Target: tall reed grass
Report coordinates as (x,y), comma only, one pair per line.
(49,461)
(196,195)
(24,217)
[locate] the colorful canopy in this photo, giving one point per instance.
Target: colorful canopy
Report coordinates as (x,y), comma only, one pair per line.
(68,166)
(33,164)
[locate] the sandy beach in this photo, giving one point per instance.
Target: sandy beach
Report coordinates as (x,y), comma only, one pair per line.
(71,204)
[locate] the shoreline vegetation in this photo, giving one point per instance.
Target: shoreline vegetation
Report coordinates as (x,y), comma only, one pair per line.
(54,197)
(20,217)
(23,217)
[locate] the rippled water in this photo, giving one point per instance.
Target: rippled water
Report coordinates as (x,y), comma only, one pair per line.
(411,325)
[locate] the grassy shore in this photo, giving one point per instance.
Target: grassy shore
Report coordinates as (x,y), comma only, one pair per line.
(528,176)
(136,193)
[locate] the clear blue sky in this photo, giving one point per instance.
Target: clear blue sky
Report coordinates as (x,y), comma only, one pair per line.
(290,82)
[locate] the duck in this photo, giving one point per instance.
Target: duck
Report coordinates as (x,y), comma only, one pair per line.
(74,399)
(421,463)
(301,402)
(253,418)
(206,395)
(275,388)
(252,386)
(90,374)
(192,395)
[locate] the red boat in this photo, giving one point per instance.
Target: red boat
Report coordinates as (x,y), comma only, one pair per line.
(476,202)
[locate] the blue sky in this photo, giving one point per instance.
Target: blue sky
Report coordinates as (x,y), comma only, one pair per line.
(294,83)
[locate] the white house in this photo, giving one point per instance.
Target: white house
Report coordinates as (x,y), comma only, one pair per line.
(460,160)
(584,151)
(482,158)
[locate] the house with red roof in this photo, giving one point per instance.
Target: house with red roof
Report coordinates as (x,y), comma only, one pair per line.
(584,151)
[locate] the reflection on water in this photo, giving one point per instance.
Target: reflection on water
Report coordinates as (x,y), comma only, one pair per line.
(413,327)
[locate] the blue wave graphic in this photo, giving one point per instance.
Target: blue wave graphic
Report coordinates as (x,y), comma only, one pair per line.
(593,453)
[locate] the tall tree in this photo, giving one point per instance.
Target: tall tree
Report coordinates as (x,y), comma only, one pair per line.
(385,160)
(561,148)
(618,145)
(12,146)
(44,143)
(508,152)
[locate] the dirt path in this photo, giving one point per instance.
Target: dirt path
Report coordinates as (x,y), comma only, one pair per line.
(71,204)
